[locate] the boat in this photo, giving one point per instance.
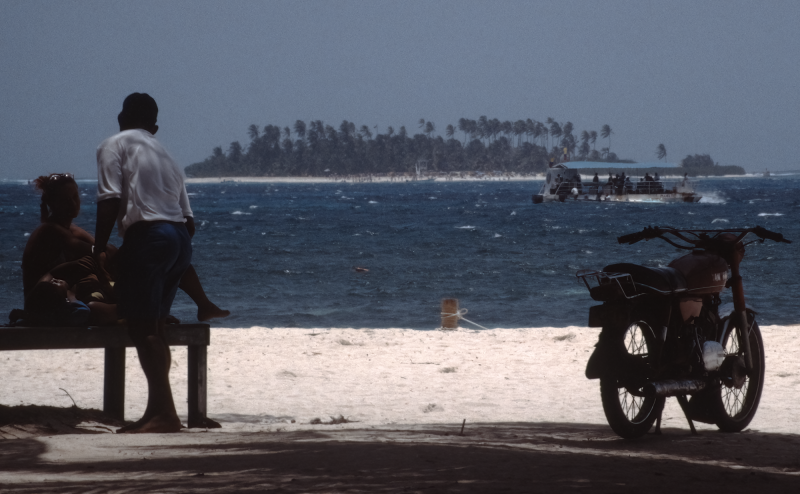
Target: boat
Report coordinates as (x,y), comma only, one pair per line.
(630,182)
(766,174)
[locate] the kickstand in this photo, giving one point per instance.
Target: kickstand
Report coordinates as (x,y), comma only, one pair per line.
(685,407)
(658,421)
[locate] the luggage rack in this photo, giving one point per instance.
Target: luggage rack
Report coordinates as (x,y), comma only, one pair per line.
(607,284)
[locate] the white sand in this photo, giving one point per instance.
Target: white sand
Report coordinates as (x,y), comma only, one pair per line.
(261,379)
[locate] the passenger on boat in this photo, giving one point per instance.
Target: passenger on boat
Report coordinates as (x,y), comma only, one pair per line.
(628,185)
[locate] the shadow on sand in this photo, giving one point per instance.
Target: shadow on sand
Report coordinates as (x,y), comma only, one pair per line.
(499,457)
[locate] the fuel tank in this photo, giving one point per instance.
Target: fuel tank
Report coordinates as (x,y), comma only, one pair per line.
(705,273)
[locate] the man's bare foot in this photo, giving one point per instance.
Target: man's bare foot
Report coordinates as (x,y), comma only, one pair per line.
(158,424)
(210,311)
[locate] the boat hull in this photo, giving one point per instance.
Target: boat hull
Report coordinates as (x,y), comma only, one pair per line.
(643,198)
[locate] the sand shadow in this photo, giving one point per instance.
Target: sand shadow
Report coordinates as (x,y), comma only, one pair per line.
(499,457)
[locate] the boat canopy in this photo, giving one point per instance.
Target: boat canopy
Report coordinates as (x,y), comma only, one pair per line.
(579,165)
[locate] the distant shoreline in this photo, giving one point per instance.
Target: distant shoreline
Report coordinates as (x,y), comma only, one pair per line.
(386,179)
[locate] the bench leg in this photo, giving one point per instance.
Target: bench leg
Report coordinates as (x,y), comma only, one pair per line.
(198,390)
(114,383)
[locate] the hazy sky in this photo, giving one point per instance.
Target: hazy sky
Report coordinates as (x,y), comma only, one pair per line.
(699,77)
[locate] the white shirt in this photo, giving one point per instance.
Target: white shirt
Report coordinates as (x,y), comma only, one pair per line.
(134,167)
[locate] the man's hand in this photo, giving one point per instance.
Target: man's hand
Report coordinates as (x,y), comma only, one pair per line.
(190,225)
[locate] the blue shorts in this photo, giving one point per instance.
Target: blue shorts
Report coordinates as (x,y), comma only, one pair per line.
(151,262)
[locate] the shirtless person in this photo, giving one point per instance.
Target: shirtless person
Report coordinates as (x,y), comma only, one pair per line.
(58,240)
(141,188)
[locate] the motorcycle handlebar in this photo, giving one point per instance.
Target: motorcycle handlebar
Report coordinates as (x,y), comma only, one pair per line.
(646,234)
(654,231)
(768,235)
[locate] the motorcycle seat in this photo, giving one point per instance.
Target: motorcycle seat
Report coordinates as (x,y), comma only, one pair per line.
(662,279)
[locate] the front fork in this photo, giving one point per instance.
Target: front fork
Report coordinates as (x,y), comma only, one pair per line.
(741,315)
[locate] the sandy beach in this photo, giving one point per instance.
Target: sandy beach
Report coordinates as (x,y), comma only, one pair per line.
(530,414)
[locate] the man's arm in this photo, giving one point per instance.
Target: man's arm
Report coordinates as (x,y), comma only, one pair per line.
(107,211)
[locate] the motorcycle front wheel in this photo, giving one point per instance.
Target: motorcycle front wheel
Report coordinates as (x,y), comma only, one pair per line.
(629,410)
(733,407)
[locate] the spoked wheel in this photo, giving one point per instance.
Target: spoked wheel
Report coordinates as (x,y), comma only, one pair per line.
(736,402)
(629,410)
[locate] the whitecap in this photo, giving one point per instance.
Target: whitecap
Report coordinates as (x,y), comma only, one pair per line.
(466,227)
(253,207)
(431,198)
(712,198)
(373,202)
(719,220)
(27,235)
(497,235)
(770,214)
(239,212)
(513,213)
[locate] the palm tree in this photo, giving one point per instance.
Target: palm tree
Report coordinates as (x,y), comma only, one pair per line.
(287,133)
(555,131)
(593,138)
(449,131)
(542,130)
(300,129)
(661,152)
(605,133)
(463,126)
(430,128)
(364,131)
(421,123)
(252,131)
(483,127)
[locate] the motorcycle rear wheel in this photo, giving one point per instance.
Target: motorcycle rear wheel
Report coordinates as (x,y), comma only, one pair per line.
(629,412)
(732,408)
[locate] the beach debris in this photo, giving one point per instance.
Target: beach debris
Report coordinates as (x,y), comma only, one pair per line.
(70,397)
(447,370)
(565,337)
(360,269)
(432,407)
(462,427)
(341,419)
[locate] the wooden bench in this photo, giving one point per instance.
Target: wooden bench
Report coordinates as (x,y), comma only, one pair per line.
(115,340)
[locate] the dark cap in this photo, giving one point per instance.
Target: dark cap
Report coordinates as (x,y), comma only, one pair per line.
(139,108)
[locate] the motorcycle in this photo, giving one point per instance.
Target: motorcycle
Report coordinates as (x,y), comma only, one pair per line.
(665,333)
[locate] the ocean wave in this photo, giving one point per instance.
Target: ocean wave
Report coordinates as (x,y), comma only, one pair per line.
(719,220)
(712,198)
(240,212)
(770,214)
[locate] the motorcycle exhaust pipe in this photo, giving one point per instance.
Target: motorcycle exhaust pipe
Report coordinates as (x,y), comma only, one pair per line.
(676,387)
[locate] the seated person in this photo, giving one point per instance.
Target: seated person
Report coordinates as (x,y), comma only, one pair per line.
(57,241)
(50,301)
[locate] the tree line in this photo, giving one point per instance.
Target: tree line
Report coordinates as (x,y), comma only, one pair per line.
(482,145)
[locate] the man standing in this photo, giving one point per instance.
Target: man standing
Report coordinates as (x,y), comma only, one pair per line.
(141,188)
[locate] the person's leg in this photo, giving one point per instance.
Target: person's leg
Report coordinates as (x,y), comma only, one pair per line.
(155,358)
(149,255)
(190,283)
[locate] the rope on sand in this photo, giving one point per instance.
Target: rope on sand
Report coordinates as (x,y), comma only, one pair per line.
(460,315)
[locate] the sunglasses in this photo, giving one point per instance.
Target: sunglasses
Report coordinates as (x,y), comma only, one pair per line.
(55,177)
